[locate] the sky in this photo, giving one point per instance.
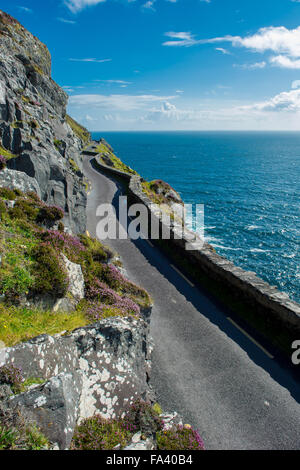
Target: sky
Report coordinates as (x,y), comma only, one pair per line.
(172,64)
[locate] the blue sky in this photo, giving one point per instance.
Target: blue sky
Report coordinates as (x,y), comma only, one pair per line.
(173,64)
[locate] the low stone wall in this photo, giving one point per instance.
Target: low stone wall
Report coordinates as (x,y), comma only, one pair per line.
(276,307)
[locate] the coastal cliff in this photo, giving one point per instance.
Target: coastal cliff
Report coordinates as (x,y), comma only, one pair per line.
(41,143)
(75,350)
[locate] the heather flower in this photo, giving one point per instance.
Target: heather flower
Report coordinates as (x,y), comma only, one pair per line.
(179,437)
(11,375)
(97,433)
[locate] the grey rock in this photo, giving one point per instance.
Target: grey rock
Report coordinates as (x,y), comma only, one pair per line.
(53,406)
(18,180)
(108,364)
(32,119)
(5,391)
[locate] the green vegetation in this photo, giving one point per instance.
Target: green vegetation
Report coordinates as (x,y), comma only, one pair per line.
(6,153)
(32,266)
(97,433)
(74,165)
(81,132)
(19,324)
(110,159)
(179,438)
(24,436)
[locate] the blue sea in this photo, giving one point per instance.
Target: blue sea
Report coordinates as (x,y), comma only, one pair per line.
(249,183)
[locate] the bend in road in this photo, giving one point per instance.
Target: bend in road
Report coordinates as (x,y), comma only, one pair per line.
(203,366)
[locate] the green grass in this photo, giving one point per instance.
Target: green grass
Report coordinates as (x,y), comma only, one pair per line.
(74,165)
(6,153)
(79,130)
(117,163)
(19,324)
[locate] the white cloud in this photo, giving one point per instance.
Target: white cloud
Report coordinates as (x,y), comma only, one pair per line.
(295,83)
(285,62)
(99,61)
(118,102)
(224,51)
(149,5)
(181,39)
(77,5)
(287,101)
(27,10)
(64,20)
(280,40)
(117,82)
(256,65)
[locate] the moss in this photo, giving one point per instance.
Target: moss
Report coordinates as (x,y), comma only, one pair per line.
(81,132)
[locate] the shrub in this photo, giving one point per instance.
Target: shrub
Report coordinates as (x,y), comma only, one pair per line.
(179,438)
(2,208)
(12,375)
(49,272)
(17,433)
(6,193)
(24,209)
(101,292)
(15,282)
(98,251)
(97,433)
(2,162)
(141,416)
(49,214)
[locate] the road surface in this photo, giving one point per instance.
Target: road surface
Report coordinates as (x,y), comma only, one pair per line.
(206,368)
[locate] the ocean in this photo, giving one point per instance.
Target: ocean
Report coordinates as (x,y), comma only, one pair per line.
(249,183)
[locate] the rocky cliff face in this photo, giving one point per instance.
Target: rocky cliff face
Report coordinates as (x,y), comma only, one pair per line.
(42,144)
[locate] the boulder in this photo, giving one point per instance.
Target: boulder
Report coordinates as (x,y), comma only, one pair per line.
(101,368)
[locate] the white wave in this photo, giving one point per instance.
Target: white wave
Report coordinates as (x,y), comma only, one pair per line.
(251,227)
(258,250)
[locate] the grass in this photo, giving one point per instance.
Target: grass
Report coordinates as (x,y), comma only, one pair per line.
(6,153)
(32,266)
(79,130)
(18,324)
(103,150)
(74,165)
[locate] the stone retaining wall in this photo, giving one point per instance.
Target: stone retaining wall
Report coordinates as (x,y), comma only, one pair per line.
(246,286)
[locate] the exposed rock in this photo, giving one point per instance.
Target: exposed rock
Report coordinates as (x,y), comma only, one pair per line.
(53,406)
(74,293)
(33,125)
(96,369)
(16,179)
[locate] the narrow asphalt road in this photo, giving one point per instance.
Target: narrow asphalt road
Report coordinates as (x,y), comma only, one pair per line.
(203,366)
